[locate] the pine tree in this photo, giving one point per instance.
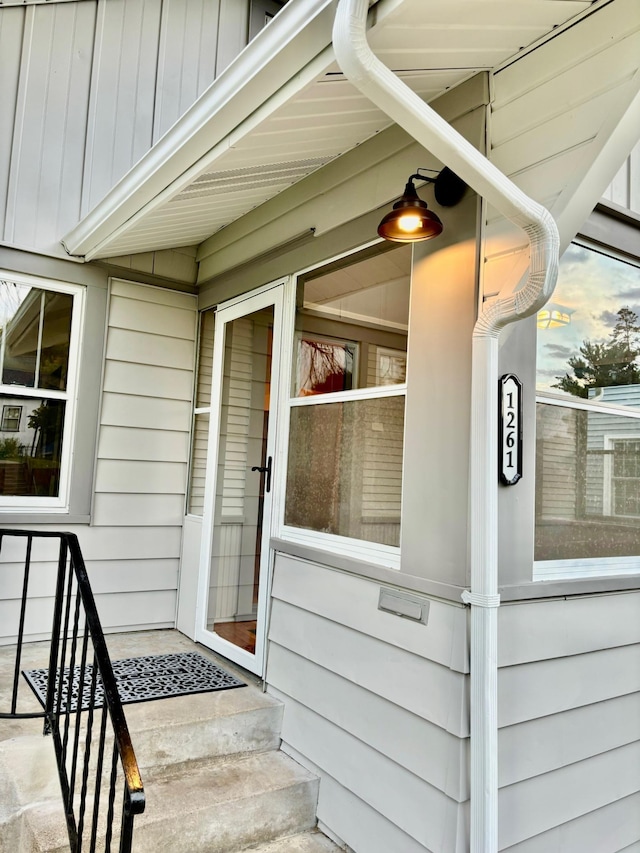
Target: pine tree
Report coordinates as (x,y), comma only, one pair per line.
(605,363)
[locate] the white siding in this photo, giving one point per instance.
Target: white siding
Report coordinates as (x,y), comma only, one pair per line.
(377,704)
(86,89)
(45,177)
(187,58)
(176,264)
(120,126)
(547,113)
(569,716)
(132,548)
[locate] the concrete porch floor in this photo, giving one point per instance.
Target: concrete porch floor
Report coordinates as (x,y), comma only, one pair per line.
(126,645)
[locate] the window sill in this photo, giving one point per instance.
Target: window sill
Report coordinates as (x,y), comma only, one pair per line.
(567,587)
(601,567)
(358,549)
(369,571)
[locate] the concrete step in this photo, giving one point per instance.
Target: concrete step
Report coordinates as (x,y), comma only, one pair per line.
(203,725)
(164,733)
(307,842)
(228,806)
(205,807)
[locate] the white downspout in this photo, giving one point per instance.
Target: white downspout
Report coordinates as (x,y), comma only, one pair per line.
(408,110)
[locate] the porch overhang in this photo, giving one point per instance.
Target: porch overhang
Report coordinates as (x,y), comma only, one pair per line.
(283,110)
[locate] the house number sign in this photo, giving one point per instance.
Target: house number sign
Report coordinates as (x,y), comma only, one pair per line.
(510,429)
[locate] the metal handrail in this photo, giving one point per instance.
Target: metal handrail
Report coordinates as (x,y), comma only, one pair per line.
(80,754)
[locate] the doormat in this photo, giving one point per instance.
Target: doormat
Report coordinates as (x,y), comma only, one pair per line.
(140,680)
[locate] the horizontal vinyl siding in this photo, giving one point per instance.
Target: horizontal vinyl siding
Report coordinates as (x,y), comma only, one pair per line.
(556,475)
(132,548)
(150,458)
(133,570)
(125,410)
(603,830)
(569,717)
(141,470)
(377,704)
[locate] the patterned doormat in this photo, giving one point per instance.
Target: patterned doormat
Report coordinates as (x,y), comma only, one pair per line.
(141,679)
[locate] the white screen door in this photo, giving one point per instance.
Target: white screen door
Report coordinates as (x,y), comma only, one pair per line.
(234,558)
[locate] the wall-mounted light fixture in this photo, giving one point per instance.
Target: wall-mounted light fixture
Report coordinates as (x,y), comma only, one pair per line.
(411,220)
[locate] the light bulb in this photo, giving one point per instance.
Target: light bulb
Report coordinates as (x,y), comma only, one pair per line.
(410,222)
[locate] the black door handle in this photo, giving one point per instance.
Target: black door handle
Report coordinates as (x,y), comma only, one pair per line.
(265,470)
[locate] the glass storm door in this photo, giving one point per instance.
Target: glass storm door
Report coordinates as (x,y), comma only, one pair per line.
(234,559)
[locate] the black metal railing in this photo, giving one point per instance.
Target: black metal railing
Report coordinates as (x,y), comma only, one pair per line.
(99,775)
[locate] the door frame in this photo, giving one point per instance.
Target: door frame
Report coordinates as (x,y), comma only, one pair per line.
(278,294)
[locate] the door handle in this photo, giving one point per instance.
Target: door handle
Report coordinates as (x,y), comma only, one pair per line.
(266,469)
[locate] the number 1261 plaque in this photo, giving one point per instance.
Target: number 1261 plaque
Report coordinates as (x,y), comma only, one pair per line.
(510,429)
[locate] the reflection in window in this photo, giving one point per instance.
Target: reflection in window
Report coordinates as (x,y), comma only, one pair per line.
(324,366)
(11,418)
(35,338)
(345,455)
(345,469)
(594,341)
(625,478)
(351,324)
(30,456)
(588,455)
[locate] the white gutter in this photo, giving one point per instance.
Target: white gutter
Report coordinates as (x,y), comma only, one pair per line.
(408,110)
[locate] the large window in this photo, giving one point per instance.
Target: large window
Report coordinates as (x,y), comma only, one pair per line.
(39,330)
(588,420)
(344,475)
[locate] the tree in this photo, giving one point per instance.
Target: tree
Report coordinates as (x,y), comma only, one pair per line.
(604,363)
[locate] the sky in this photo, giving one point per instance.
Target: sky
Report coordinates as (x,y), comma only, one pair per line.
(594,286)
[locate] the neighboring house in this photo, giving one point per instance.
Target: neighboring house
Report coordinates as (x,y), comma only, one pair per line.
(260,416)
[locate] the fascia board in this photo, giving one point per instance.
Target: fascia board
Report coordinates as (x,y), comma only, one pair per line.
(279,52)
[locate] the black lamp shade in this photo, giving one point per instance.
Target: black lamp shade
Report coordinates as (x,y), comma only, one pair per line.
(410,220)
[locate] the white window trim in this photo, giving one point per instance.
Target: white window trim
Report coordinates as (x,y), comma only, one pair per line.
(593,567)
(372,552)
(588,567)
(25,503)
(2,422)
(607,497)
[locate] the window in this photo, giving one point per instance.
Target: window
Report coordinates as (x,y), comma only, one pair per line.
(39,331)
(588,418)
(625,477)
(202,413)
(11,418)
(261,13)
(346,436)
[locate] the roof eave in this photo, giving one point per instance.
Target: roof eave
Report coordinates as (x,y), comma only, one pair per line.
(299,34)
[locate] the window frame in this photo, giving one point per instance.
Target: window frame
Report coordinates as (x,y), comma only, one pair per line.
(4,428)
(590,567)
(60,503)
(386,556)
(610,476)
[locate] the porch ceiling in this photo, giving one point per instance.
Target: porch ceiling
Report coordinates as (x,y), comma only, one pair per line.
(283,110)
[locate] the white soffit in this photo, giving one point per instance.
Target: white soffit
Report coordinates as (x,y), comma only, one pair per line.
(313,118)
